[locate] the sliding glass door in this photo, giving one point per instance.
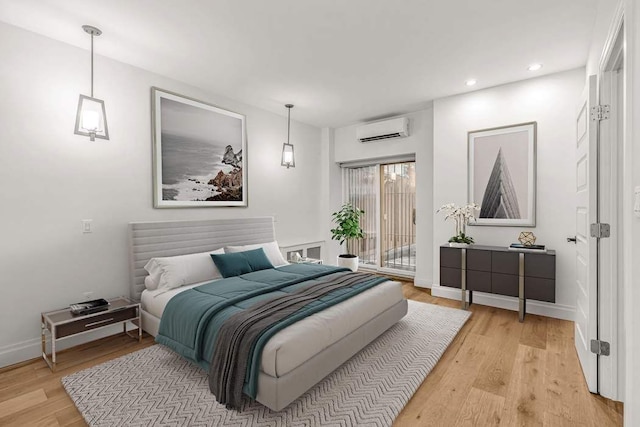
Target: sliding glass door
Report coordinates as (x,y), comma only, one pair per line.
(398,216)
(386,193)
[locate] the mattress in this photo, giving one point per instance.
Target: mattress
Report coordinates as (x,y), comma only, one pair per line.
(299,342)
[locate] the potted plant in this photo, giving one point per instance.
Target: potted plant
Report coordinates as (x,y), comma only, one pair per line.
(462,216)
(347,221)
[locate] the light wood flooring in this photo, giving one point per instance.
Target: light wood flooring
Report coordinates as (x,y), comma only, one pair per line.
(500,372)
(497,372)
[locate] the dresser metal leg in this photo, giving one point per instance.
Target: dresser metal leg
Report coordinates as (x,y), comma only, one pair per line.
(463,281)
(522,302)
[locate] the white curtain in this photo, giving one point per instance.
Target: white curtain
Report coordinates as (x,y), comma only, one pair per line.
(360,189)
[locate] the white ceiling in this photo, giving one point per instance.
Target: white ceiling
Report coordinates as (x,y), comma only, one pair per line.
(338,61)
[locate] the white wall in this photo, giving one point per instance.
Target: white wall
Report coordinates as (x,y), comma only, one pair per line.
(419,143)
(331,193)
(552,102)
(51,179)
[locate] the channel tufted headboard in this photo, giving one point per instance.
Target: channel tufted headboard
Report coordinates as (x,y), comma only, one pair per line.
(170,238)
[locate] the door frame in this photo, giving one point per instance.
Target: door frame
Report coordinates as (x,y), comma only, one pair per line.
(611,91)
(377,164)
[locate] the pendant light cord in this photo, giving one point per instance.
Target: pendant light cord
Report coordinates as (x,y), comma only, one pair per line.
(288,124)
(92,65)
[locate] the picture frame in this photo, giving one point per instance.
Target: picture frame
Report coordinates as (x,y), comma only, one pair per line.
(502,174)
(199,153)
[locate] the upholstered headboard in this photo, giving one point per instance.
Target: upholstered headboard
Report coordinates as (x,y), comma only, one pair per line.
(170,238)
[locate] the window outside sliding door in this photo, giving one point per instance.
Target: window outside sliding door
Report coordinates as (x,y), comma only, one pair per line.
(386,193)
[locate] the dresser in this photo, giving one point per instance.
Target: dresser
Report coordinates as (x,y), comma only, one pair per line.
(499,270)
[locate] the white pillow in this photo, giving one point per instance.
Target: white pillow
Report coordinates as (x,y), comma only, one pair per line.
(173,272)
(271,250)
(150,284)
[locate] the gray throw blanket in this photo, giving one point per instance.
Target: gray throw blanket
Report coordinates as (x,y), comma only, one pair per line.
(239,333)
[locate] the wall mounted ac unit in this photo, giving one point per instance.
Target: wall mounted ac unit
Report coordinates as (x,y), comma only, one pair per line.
(386,129)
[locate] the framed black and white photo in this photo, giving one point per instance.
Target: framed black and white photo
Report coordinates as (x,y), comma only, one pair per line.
(502,175)
(199,153)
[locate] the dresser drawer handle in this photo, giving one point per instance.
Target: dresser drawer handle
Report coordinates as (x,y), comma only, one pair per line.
(97,323)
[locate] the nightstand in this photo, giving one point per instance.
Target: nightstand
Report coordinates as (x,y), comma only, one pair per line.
(62,324)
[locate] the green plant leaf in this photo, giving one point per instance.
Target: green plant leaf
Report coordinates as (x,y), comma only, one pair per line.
(347,221)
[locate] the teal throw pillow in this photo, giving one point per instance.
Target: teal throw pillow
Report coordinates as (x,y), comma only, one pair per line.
(235,264)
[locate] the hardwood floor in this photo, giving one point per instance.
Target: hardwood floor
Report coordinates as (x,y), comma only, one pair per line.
(500,372)
(497,372)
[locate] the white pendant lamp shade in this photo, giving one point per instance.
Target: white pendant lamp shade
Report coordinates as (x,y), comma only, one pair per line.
(91,118)
(288,157)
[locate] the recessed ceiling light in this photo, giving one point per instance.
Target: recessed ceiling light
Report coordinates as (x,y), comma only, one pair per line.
(534,67)
(470,82)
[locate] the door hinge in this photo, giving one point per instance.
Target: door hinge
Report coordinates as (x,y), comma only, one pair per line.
(600,112)
(601,348)
(600,230)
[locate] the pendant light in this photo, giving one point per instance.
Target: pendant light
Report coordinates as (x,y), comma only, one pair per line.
(91,119)
(288,159)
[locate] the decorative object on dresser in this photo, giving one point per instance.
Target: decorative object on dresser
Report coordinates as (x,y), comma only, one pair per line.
(527,238)
(500,271)
(371,388)
(527,248)
(502,174)
(348,229)
(64,323)
(199,153)
(462,216)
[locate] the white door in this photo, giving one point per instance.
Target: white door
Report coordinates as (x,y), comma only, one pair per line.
(610,211)
(586,246)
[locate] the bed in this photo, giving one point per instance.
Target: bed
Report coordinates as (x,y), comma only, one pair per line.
(295,358)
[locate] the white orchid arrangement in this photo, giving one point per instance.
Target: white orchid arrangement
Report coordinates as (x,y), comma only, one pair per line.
(462,215)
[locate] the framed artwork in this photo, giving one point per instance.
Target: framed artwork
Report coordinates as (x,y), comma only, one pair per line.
(502,175)
(199,153)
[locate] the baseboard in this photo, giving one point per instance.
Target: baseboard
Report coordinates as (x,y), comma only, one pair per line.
(557,311)
(19,352)
(422,283)
(31,349)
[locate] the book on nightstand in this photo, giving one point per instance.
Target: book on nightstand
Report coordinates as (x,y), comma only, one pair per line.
(88,307)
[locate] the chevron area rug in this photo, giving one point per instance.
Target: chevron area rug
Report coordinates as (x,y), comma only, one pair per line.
(156,387)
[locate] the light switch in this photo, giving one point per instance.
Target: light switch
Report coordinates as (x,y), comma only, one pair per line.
(87,226)
(636,202)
